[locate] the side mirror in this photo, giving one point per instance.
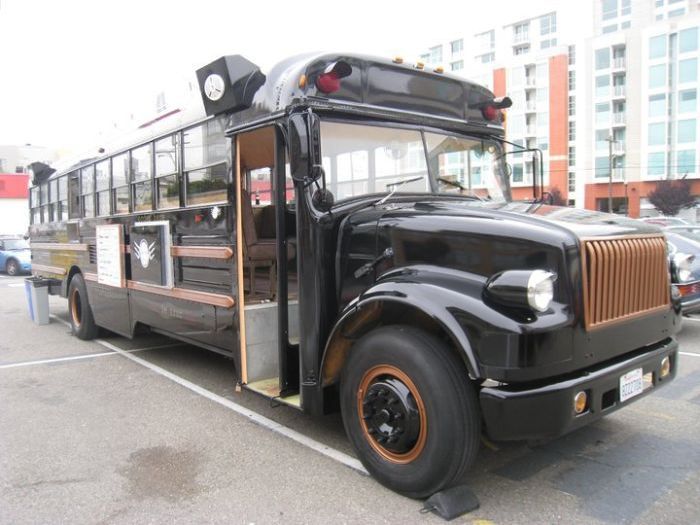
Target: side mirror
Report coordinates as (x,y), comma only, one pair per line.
(304,147)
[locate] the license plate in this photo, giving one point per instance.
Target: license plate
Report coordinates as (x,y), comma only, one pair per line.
(631,384)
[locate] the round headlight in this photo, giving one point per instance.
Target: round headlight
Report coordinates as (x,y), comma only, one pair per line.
(540,289)
(683,265)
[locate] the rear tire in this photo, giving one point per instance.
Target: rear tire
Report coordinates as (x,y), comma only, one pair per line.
(12,267)
(409,410)
(81,320)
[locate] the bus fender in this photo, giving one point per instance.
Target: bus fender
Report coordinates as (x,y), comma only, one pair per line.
(446,302)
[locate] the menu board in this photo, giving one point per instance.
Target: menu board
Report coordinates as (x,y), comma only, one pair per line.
(110,255)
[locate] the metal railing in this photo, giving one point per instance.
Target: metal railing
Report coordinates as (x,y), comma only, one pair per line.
(619,118)
(619,62)
(620,91)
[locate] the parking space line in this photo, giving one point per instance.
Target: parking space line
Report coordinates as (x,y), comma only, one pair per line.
(689,353)
(251,415)
(55,360)
(691,319)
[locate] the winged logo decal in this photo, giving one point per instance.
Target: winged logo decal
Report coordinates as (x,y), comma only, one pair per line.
(145,252)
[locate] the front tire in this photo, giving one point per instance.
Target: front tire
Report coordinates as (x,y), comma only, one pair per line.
(409,410)
(12,267)
(81,320)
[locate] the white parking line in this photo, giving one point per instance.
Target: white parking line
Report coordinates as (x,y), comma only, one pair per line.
(261,420)
(689,353)
(253,416)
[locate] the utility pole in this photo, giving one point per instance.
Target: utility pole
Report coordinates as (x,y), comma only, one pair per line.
(610,140)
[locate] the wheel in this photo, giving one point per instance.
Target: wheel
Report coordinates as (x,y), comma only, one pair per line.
(409,410)
(12,267)
(82,322)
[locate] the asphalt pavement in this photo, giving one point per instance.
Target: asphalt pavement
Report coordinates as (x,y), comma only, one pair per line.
(150,430)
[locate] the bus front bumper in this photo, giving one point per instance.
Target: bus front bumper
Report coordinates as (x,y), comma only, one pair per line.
(547,411)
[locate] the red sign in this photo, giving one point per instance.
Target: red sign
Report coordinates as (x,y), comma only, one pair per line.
(14,186)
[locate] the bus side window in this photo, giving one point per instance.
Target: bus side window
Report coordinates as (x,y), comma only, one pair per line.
(87,191)
(74,195)
(120,183)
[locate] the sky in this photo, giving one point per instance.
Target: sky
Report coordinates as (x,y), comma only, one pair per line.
(70,67)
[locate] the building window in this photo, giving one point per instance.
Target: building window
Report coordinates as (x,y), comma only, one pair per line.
(657,47)
(456,66)
(609,29)
(685,162)
(687,101)
(602,166)
(572,156)
(572,80)
(484,59)
(688,40)
(656,164)
(676,12)
(657,134)
(688,70)
(625,7)
(517,173)
(548,24)
(521,50)
(160,102)
(572,131)
(485,41)
(572,55)
(657,106)
(572,106)
(625,25)
(602,58)
(602,113)
(608,9)
(545,44)
(456,46)
(657,76)
(434,55)
(572,181)
(602,86)
(521,32)
(601,139)
(686,131)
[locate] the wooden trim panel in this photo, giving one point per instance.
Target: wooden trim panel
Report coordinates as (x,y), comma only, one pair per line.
(214,299)
(48,269)
(59,246)
(204,252)
(623,278)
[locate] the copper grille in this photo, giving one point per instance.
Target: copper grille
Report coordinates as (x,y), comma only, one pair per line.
(624,277)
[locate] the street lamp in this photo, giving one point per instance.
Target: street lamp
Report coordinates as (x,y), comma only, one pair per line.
(610,140)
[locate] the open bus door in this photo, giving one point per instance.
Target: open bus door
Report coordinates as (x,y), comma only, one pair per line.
(267,303)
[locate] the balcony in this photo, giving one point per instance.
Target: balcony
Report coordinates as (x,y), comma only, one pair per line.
(618,173)
(530,81)
(521,38)
(619,119)
(619,62)
(530,106)
(531,131)
(619,147)
(619,91)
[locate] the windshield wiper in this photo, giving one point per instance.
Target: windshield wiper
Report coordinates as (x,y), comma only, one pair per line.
(456,184)
(396,186)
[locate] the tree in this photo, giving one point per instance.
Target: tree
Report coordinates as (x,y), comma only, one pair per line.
(557,197)
(670,196)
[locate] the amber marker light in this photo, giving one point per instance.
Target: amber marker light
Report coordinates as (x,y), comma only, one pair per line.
(665,366)
(398,60)
(439,69)
(302,82)
(580,402)
(420,65)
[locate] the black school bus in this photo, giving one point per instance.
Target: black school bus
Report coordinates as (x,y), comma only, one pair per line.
(342,228)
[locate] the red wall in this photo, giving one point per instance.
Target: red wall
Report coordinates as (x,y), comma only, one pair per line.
(558,123)
(635,192)
(14,186)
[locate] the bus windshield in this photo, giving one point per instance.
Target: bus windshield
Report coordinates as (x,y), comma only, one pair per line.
(361,160)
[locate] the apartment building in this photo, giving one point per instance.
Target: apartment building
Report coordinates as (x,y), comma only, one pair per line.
(643,101)
(535,61)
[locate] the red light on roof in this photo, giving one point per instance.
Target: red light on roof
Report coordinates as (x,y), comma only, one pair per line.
(328,82)
(490,112)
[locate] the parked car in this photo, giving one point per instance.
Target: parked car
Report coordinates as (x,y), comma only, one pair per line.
(684,251)
(15,256)
(664,221)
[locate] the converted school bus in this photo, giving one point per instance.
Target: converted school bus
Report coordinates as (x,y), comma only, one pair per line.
(342,228)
